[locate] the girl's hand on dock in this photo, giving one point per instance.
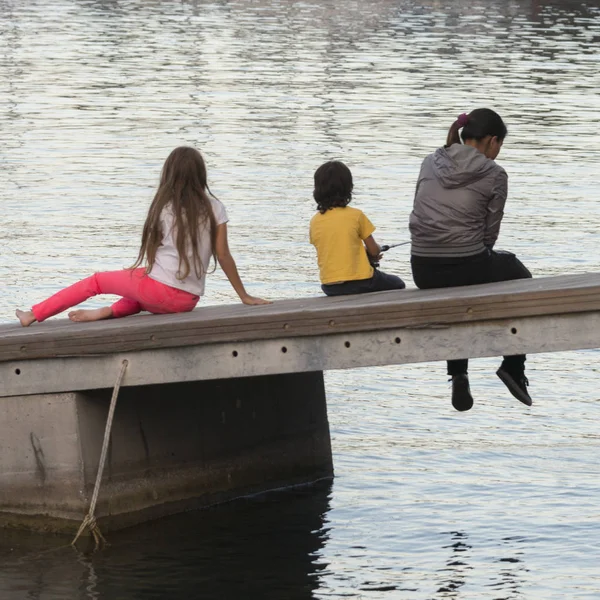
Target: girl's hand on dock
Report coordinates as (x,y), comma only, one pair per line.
(252,300)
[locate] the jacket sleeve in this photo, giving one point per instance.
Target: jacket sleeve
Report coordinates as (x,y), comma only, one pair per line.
(495,208)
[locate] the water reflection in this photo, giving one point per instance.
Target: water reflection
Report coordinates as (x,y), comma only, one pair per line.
(457,566)
(507,583)
(263,547)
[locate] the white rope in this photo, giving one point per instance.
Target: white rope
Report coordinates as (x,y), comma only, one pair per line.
(90,520)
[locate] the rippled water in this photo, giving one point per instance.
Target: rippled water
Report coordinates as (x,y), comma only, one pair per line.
(502,502)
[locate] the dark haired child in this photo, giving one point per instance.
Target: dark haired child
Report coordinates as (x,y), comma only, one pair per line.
(458,208)
(343,238)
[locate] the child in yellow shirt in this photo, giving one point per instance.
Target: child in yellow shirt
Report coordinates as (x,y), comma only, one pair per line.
(343,238)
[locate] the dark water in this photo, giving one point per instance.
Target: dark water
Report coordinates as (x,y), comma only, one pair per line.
(254,548)
(499,503)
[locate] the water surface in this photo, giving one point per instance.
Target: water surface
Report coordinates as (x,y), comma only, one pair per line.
(502,502)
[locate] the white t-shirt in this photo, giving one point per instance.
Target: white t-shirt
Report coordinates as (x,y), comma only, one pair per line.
(166,264)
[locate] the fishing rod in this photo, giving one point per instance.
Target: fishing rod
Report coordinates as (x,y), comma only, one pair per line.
(374,262)
(387,247)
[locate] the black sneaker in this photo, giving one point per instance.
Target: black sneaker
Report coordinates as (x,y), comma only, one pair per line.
(461,392)
(516,384)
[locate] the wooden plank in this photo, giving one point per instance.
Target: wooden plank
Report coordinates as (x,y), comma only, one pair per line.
(303,354)
(306,317)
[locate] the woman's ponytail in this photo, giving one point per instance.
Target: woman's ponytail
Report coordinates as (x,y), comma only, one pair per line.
(453,137)
(477,125)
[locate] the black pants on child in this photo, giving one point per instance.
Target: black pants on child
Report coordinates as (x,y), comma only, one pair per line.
(379,282)
(487,267)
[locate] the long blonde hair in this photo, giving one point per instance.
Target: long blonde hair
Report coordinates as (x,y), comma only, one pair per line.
(184,188)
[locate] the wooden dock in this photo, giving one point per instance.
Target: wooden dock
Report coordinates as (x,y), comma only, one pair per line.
(309,334)
(230,399)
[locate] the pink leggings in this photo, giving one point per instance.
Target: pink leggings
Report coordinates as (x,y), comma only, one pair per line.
(138,290)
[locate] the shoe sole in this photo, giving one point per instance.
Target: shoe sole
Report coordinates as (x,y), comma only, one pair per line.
(513,387)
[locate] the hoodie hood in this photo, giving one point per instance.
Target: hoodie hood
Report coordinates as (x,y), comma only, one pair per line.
(459,165)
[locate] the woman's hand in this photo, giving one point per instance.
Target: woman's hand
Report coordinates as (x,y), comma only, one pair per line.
(253,300)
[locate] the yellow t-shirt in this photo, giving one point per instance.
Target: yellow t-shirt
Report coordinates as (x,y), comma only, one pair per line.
(338,236)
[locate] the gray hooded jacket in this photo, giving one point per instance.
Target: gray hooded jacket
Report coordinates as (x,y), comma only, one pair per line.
(459,203)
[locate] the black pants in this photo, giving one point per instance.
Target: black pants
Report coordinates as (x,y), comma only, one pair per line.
(379,282)
(487,267)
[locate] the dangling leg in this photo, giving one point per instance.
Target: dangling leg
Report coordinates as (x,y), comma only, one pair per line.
(506,266)
(461,390)
(512,374)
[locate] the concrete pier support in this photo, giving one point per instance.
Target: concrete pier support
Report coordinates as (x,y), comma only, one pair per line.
(225,400)
(173,447)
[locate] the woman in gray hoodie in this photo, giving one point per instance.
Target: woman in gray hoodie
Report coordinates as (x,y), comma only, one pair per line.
(458,208)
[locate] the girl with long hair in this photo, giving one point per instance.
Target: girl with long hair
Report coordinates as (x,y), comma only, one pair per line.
(186,226)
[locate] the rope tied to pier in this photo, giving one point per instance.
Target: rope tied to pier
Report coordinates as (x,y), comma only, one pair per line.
(90,520)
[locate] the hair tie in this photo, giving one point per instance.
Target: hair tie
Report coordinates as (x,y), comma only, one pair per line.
(462,120)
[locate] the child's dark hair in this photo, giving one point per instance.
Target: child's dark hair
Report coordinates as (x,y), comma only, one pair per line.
(333,185)
(478,124)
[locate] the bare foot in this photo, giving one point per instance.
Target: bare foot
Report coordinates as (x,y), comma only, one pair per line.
(26,317)
(95,314)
